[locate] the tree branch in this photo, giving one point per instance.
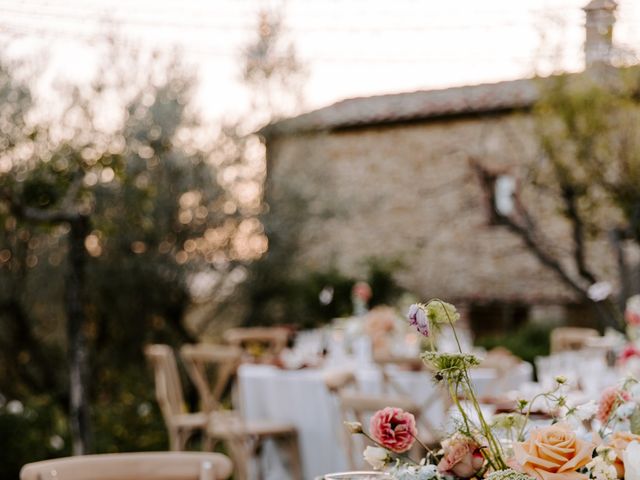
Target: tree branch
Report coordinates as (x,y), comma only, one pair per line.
(569,197)
(528,233)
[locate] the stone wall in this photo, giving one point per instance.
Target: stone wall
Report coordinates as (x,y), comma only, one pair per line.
(410,192)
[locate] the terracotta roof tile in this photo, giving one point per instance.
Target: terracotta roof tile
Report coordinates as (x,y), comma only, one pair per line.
(420,105)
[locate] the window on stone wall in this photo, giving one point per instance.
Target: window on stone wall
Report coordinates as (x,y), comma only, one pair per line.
(504,189)
(500,193)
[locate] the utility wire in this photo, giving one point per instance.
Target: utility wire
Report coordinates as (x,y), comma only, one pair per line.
(13,31)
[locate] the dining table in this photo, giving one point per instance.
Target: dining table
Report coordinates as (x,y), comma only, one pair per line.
(301,397)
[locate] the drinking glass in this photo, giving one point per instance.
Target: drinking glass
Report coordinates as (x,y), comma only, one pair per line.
(356,476)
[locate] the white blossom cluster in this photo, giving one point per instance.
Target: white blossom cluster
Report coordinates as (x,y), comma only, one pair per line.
(601,467)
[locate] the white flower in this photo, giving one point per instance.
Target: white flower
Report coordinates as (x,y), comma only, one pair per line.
(624,411)
(579,414)
(607,453)
(634,390)
(377,457)
(353,427)
(601,469)
(417,472)
(631,459)
(586,411)
(599,291)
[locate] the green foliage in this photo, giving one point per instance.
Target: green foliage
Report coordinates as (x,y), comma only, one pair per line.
(589,129)
(32,431)
(281,299)
(527,342)
(158,214)
(125,413)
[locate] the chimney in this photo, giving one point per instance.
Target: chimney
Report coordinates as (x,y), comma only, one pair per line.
(599,32)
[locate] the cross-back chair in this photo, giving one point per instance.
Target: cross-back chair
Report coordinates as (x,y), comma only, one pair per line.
(212,369)
(243,438)
(571,338)
(127,466)
(181,424)
(258,341)
(390,366)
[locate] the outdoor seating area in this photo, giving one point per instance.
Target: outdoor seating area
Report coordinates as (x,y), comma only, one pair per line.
(319,240)
(286,420)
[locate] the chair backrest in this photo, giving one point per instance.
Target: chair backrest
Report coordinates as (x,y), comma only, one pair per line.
(272,339)
(387,363)
(130,466)
(212,369)
(338,380)
(356,406)
(167,379)
(570,338)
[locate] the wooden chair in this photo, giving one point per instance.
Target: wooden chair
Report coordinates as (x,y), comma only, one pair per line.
(502,362)
(571,338)
(181,425)
(389,366)
(259,341)
(212,369)
(338,380)
(243,438)
(127,466)
(359,407)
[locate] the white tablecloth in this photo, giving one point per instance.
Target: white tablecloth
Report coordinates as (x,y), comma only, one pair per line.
(300,397)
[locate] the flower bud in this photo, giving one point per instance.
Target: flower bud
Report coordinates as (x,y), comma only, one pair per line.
(353,427)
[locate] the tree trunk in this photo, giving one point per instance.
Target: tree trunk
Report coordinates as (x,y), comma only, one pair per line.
(79,415)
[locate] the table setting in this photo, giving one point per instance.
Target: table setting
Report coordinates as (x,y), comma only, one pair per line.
(582,391)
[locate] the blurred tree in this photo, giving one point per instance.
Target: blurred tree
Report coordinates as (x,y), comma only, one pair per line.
(588,127)
(122,202)
(274,77)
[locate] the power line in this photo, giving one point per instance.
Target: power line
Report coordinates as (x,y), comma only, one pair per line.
(163,23)
(11,30)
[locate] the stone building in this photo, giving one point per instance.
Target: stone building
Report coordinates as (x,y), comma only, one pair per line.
(396,177)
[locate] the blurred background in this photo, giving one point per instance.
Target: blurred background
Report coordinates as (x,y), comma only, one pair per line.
(170,170)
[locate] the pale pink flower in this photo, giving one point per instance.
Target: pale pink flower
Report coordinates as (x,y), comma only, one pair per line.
(362,291)
(632,311)
(393,428)
(610,399)
(462,457)
(418,318)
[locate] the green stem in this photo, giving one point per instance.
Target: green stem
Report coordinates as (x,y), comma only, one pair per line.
(403,455)
(526,418)
(494,446)
(428,450)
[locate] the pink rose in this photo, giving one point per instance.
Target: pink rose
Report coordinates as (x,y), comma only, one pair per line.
(462,457)
(393,428)
(418,318)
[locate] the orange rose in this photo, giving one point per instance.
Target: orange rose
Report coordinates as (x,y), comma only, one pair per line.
(553,453)
(619,442)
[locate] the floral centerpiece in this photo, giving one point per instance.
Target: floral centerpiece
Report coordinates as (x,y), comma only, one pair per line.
(599,441)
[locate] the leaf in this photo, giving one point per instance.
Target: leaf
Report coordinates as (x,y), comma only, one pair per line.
(635,421)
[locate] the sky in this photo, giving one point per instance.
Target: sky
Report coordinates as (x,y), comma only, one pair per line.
(350,47)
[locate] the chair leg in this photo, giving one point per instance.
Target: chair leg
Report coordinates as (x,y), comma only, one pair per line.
(174,440)
(208,443)
(237,451)
(294,456)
